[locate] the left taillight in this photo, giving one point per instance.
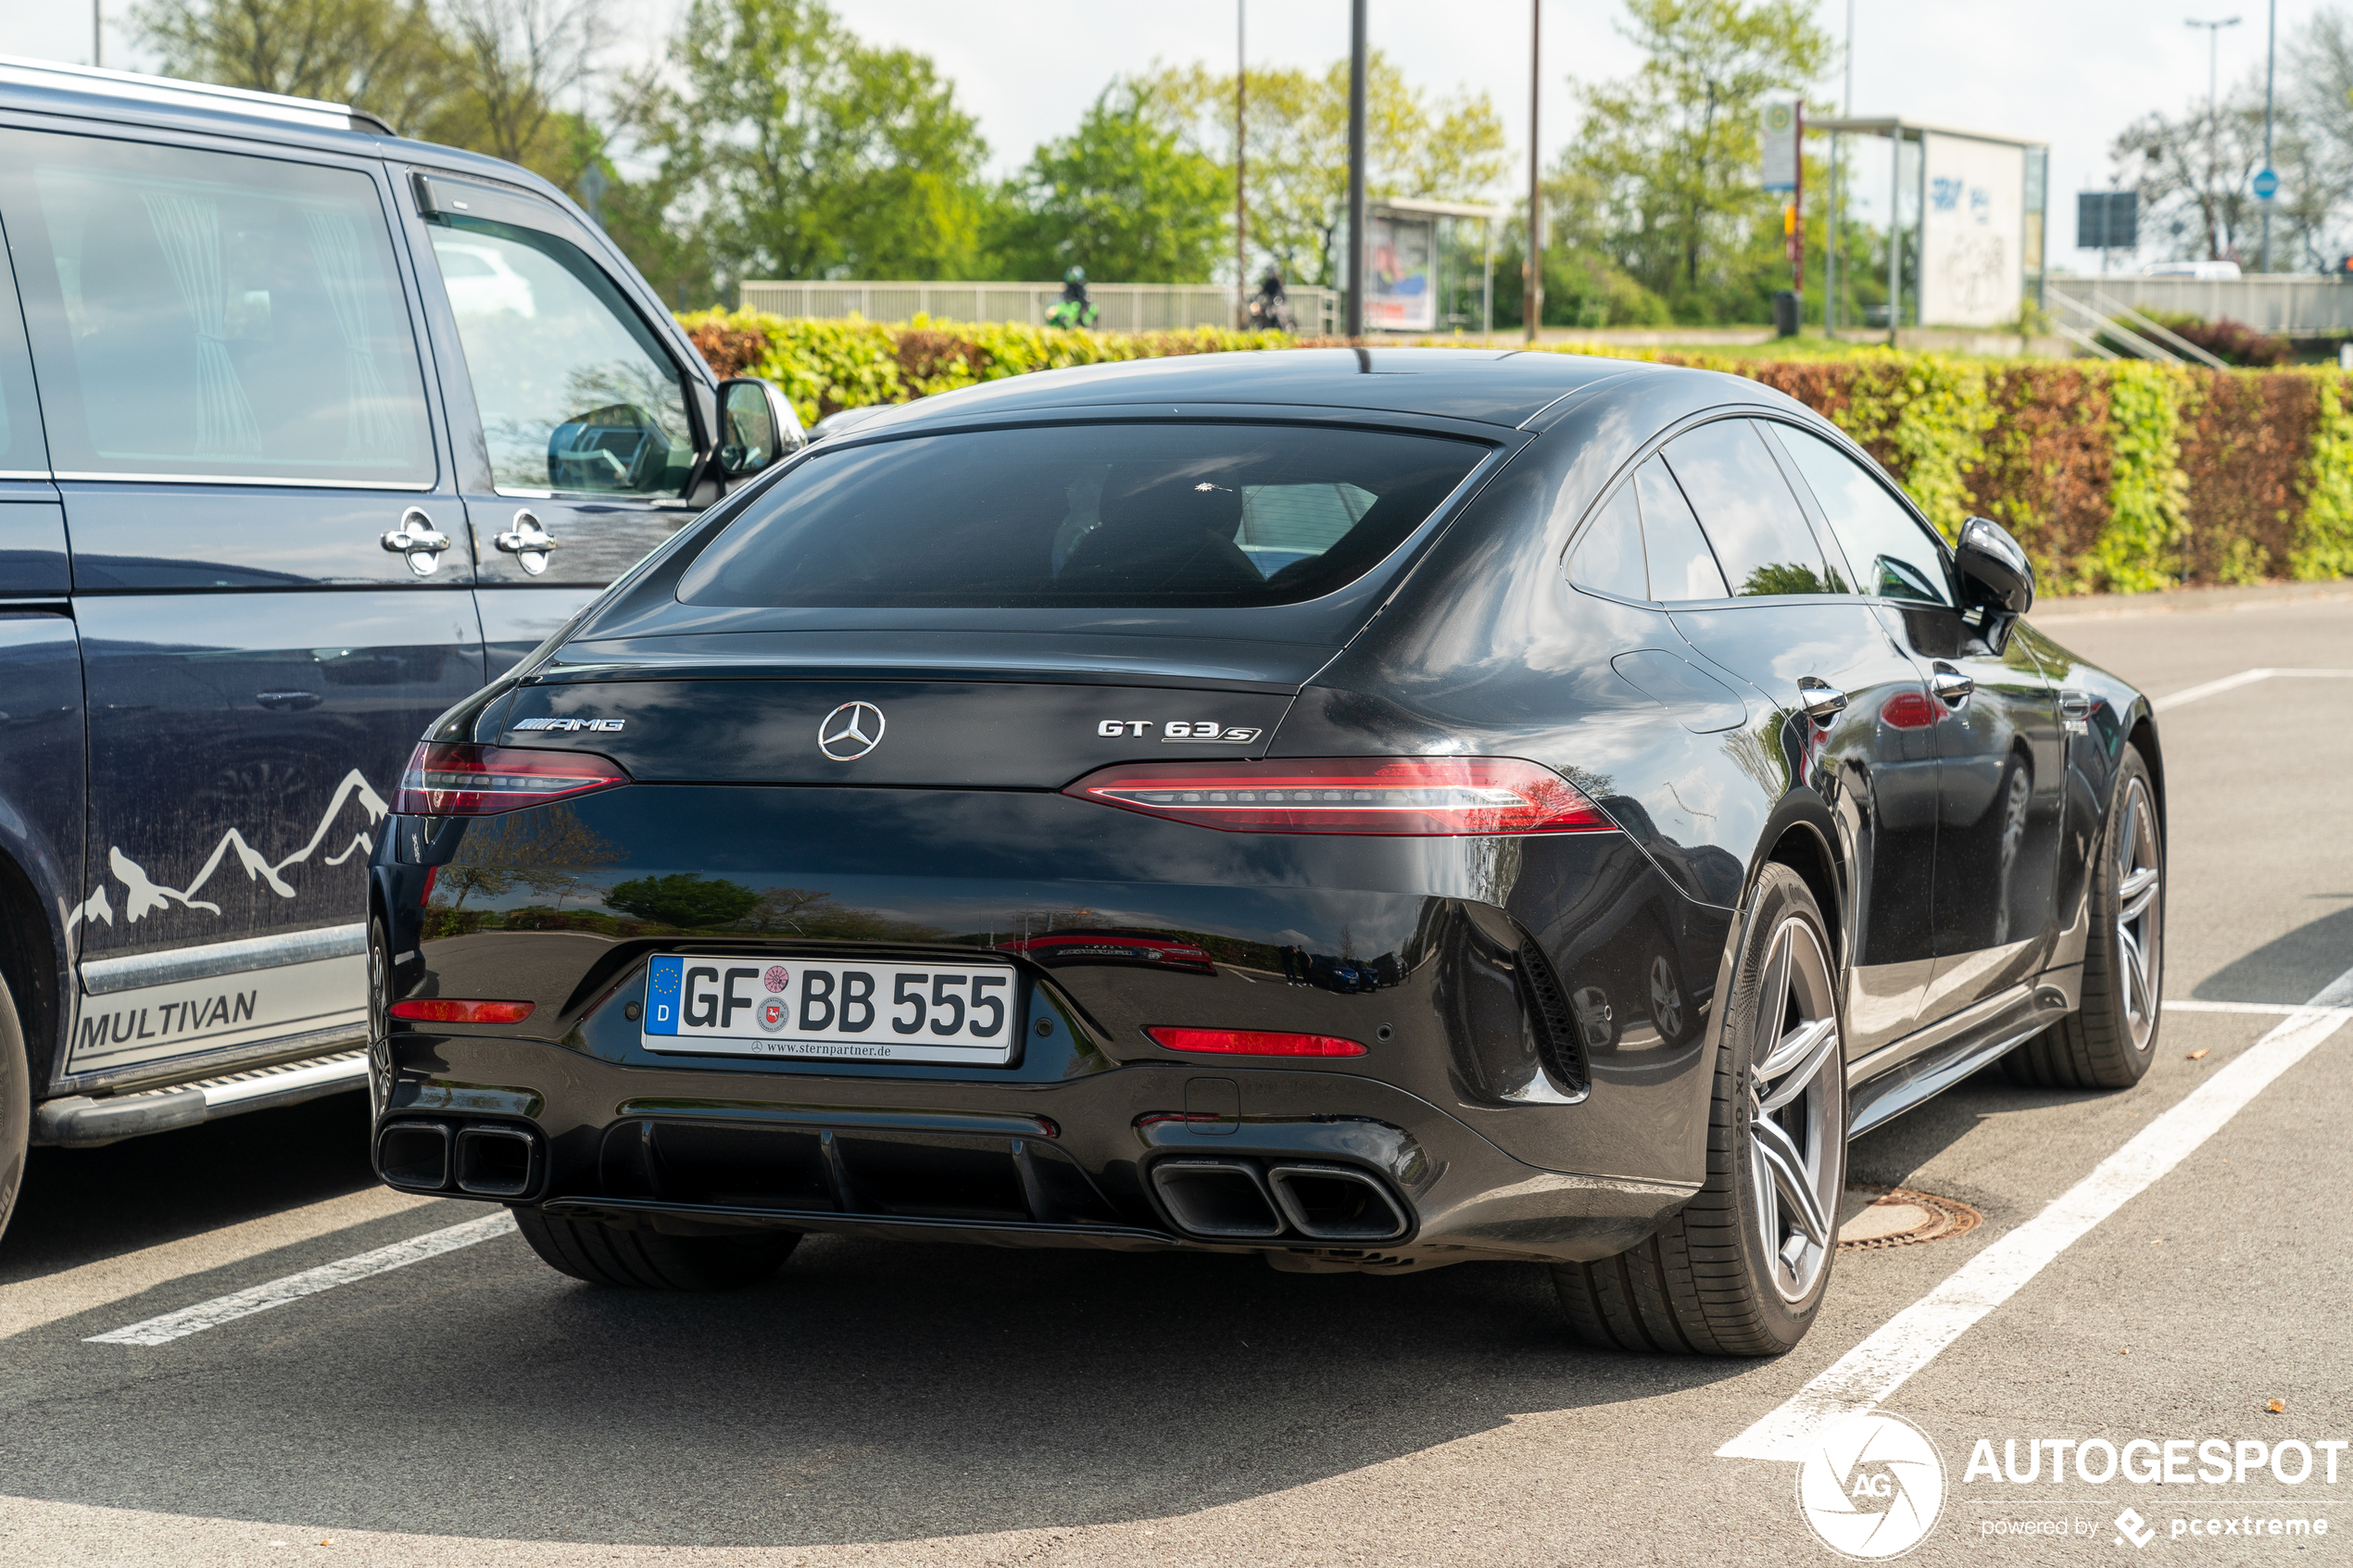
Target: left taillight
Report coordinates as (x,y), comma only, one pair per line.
(444,779)
(1417,797)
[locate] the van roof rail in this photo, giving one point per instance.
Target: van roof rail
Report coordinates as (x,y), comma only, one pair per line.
(19,71)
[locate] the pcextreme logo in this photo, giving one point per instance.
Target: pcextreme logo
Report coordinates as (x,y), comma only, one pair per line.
(1872,1486)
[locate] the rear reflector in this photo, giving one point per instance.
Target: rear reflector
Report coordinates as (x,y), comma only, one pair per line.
(1417,797)
(450,1009)
(449,780)
(1255,1042)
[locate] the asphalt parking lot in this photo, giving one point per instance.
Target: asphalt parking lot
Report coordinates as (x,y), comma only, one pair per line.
(881,1404)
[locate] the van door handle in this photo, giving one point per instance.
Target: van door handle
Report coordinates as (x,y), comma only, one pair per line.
(528,542)
(1821,700)
(1952,687)
(419,540)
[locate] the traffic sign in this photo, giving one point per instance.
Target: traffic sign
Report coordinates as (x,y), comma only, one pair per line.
(2267,184)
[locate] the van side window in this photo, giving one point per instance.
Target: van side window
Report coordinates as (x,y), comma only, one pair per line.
(1609,558)
(1889,548)
(208,314)
(1749,512)
(574,394)
(1683,567)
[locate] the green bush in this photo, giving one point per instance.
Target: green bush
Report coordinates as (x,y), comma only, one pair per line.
(2118,477)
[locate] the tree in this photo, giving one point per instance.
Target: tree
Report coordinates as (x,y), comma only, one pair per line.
(685,899)
(1124,197)
(543,852)
(512,59)
(386,58)
(1668,159)
(1447,149)
(789,149)
(2193,176)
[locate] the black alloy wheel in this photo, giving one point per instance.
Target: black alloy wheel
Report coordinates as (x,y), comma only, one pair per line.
(16,1105)
(2109,1042)
(1742,1270)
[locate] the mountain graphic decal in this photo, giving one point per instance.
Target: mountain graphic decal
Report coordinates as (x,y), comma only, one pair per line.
(142,894)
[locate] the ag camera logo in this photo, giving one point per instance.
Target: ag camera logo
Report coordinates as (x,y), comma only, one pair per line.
(1872,1486)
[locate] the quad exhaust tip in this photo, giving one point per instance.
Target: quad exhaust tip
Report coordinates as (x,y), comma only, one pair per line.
(1235,1200)
(490,1160)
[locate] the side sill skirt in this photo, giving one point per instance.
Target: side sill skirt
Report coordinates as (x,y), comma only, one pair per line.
(1896,1078)
(85,1122)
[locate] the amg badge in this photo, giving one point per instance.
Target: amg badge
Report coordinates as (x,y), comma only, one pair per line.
(600,725)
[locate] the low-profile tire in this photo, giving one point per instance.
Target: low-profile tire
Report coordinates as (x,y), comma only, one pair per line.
(1742,1269)
(2110,1040)
(603,1254)
(16,1105)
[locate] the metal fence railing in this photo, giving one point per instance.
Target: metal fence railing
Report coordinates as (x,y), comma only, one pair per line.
(1125,308)
(2271,302)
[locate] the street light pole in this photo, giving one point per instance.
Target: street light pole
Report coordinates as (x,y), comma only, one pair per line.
(2213,126)
(1242,207)
(2271,71)
(1356,324)
(1531,307)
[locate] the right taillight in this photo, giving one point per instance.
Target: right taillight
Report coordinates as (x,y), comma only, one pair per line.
(446,779)
(1415,796)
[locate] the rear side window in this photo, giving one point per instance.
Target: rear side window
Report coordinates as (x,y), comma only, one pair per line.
(206,314)
(1683,567)
(1082,515)
(1749,512)
(1609,558)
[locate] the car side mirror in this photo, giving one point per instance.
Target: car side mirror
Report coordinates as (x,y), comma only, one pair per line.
(756,426)
(1996,578)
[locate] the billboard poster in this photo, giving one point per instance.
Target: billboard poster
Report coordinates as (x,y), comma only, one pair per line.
(1972,233)
(1401,282)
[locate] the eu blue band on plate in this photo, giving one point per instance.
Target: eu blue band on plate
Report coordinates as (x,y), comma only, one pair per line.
(664,985)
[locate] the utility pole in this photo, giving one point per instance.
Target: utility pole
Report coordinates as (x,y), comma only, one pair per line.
(2213,126)
(1838,189)
(1532,294)
(1357,55)
(1241,205)
(2270,70)
(97,32)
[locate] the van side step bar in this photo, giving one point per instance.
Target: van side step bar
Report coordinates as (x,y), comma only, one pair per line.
(87,1121)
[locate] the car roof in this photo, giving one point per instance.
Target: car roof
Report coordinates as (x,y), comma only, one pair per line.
(121,97)
(1507,388)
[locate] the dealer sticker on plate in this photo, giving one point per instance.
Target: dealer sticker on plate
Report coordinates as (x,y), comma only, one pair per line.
(862,1012)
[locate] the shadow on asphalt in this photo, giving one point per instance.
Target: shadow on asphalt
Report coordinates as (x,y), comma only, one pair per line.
(82,1204)
(869,1392)
(2290,969)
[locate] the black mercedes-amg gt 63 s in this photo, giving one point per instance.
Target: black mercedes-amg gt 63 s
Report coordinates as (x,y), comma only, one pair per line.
(1372,808)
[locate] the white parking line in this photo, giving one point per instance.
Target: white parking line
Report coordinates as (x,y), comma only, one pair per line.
(2243,678)
(294,1287)
(1908,1341)
(2273,1010)
(44,1299)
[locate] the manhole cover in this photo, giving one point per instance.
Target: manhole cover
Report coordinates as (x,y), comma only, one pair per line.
(1876,1216)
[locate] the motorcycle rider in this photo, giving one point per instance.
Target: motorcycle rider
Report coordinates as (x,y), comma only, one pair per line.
(1074,309)
(1270,307)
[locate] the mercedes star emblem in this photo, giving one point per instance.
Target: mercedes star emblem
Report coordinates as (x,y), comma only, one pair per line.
(850,731)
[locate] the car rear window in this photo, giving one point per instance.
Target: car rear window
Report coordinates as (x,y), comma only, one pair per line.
(1082,515)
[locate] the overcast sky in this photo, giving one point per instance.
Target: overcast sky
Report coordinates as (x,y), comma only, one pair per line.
(2072,72)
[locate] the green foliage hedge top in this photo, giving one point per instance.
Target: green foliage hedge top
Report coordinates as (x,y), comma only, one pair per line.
(2118,477)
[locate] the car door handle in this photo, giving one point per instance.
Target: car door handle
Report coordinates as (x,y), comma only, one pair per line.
(419,540)
(288,702)
(1952,687)
(528,542)
(1821,700)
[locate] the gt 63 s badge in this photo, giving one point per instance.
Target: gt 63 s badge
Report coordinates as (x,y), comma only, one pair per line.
(1181,728)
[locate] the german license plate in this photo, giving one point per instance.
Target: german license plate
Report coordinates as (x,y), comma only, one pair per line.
(960,1013)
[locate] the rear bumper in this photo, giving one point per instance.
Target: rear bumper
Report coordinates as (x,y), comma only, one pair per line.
(1057,1164)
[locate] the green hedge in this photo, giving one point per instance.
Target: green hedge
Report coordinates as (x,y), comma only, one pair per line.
(2119,476)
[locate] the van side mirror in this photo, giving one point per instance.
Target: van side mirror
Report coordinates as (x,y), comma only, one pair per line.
(756,426)
(1996,578)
